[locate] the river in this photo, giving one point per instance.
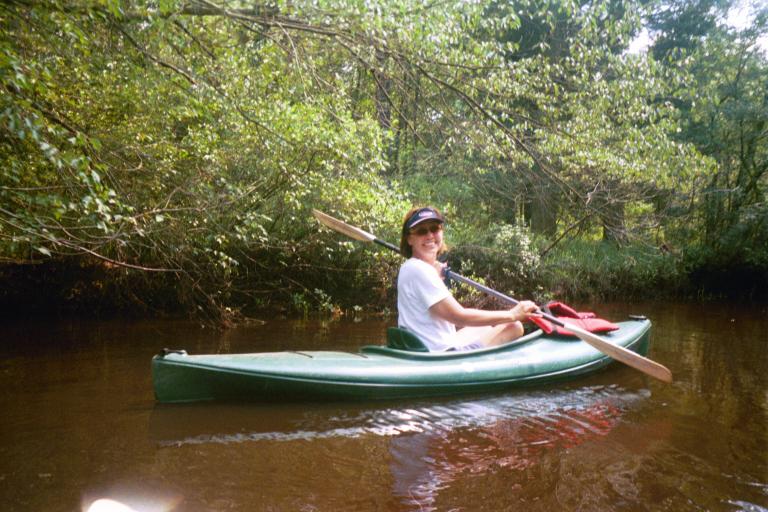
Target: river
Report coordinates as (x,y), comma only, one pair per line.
(80,426)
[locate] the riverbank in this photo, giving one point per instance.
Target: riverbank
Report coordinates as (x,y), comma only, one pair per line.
(583,273)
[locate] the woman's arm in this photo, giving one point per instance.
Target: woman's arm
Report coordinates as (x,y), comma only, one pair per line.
(449,309)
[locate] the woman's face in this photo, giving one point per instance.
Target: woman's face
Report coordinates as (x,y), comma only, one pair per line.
(426,239)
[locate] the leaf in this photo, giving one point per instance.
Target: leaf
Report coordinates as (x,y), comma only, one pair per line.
(113,6)
(167,6)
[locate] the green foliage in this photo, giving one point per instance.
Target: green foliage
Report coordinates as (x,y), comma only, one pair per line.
(179,138)
(583,270)
(724,114)
(682,25)
(507,258)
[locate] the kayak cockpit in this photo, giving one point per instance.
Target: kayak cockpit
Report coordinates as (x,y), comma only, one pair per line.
(418,354)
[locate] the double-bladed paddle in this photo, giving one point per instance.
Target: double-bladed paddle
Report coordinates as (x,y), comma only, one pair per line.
(617,352)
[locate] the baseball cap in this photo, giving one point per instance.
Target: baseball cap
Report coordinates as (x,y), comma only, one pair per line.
(423,215)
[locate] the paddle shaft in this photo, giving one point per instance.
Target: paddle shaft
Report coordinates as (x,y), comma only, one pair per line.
(504,298)
(387,245)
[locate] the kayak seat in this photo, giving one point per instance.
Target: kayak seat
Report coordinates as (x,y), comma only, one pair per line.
(402,339)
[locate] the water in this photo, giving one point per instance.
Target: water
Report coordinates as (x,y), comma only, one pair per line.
(80,424)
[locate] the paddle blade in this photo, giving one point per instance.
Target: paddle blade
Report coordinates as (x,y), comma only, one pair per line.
(622,354)
(343,227)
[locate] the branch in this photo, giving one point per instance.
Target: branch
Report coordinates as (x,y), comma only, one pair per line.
(565,232)
(71,245)
(154,59)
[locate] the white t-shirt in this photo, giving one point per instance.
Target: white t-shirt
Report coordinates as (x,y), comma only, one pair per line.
(418,288)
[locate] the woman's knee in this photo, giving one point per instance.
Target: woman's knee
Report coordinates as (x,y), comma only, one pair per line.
(511,331)
(514,330)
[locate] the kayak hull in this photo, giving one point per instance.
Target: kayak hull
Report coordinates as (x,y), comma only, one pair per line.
(378,372)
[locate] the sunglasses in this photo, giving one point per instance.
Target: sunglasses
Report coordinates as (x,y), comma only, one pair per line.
(423,230)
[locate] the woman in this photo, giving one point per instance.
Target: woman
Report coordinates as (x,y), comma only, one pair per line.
(427,308)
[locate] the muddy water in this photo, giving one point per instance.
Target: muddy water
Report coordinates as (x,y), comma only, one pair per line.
(79,424)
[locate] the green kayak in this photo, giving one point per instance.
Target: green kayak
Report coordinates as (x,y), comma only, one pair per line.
(382,372)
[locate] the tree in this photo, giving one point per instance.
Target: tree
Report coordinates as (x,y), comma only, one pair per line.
(679,26)
(722,98)
(192,138)
(728,120)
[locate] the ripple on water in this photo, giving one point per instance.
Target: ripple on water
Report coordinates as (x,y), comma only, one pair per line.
(541,417)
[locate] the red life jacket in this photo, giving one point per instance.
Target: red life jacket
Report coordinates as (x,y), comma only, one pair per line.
(586,320)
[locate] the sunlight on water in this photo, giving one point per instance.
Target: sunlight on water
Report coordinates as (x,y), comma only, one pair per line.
(136,505)
(107,505)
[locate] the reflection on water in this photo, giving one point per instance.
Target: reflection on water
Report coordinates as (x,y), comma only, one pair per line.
(509,433)
(546,417)
(429,444)
(80,425)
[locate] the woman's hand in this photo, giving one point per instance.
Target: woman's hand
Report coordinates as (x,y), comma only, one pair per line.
(523,310)
(440,267)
